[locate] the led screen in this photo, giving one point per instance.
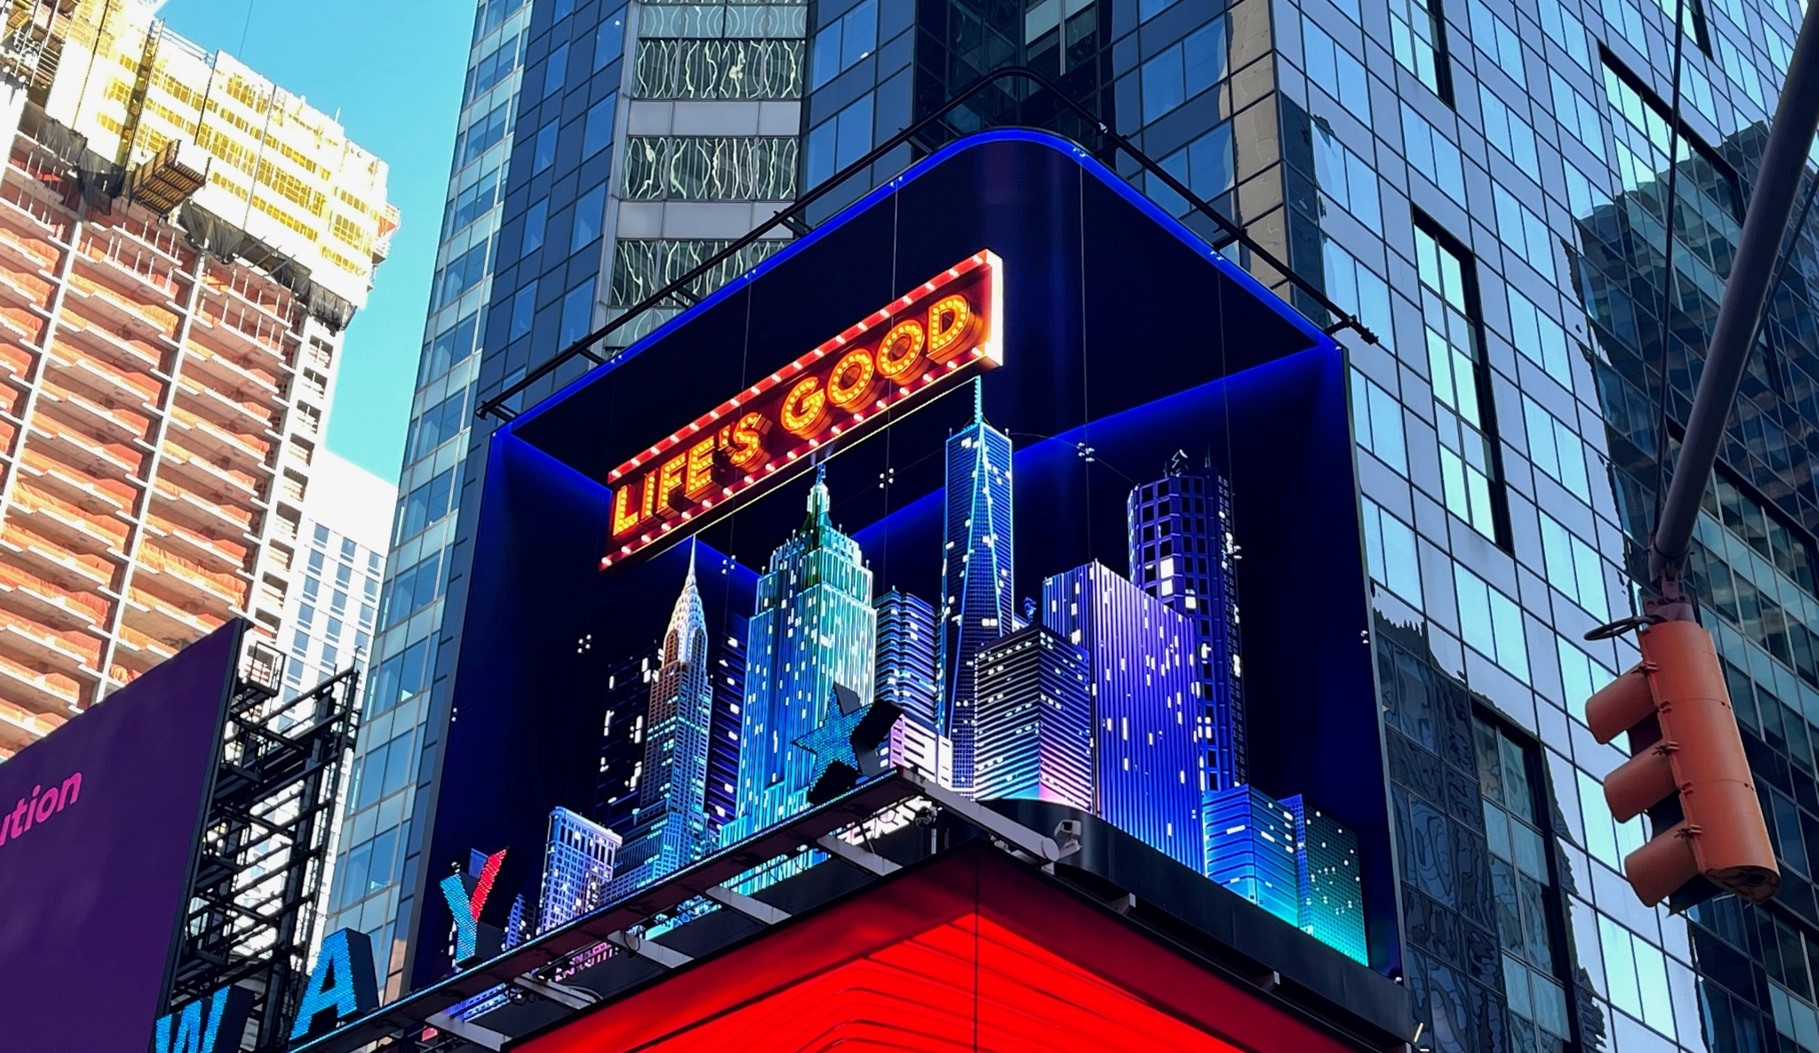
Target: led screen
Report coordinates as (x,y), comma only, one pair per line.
(96,847)
(1103,554)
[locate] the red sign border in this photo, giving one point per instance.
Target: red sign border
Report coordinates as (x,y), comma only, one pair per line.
(988,353)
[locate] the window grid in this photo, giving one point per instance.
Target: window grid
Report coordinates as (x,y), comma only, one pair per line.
(1471,469)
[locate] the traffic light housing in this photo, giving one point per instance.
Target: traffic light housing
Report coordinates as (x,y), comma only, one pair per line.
(1687,770)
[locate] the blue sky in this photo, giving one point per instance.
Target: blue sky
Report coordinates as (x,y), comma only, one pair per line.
(394,70)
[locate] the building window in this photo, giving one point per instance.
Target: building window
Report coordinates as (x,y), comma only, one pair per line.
(1471,458)
(1522,885)
(577,313)
(1642,131)
(643,266)
(1377,419)
(1574,568)
(1418,39)
(1490,622)
(459,275)
(590,214)
(1433,155)
(1182,71)
(555,71)
(495,67)
(711,168)
(1509,131)
(839,141)
(1389,549)
(425,505)
(1763,528)
(1346,179)
(842,43)
(1555,448)
(470,204)
(719,69)
(597,131)
(1495,37)
(536,217)
(609,39)
(436,426)
(1335,70)
(482,134)
(1523,231)
(524,310)
(450,346)
(400,678)
(543,152)
(1204,165)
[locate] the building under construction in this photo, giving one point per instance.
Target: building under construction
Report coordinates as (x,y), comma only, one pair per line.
(182,244)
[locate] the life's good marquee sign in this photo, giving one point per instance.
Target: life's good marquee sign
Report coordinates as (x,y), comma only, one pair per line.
(920,344)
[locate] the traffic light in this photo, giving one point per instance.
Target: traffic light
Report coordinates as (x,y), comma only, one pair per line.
(1687,769)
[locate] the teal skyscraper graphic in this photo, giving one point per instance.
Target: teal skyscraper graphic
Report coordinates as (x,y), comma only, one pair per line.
(813,628)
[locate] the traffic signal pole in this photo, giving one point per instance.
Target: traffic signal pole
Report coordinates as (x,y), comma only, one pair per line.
(1746,293)
(1687,768)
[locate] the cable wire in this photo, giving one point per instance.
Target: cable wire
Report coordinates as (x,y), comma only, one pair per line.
(1671,211)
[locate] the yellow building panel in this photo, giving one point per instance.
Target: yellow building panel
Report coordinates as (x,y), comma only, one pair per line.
(146,85)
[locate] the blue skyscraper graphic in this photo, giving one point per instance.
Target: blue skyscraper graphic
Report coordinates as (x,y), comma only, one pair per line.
(622,724)
(1253,849)
(669,828)
(1181,551)
(813,628)
(723,731)
(1141,656)
(1328,883)
(975,571)
(909,676)
(578,862)
(1035,727)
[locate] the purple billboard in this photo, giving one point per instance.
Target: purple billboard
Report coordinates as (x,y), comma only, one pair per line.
(98,830)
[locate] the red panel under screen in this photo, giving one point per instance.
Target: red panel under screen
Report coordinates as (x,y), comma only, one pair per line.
(942,961)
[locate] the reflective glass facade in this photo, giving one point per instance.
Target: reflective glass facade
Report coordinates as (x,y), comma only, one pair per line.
(1482,183)
(667,128)
(376,839)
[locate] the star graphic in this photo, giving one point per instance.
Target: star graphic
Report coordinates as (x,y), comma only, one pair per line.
(852,729)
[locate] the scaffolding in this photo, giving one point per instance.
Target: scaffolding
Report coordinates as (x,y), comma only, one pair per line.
(252,912)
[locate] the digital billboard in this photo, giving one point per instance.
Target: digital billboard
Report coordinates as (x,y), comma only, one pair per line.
(96,850)
(1001,446)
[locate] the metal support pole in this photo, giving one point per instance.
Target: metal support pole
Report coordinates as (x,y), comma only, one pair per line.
(1745,295)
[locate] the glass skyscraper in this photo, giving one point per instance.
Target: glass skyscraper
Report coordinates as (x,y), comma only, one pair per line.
(1483,183)
(637,139)
(975,572)
(377,855)
(813,629)
(1140,657)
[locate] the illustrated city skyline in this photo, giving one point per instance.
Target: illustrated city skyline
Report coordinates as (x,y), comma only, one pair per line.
(1118,695)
